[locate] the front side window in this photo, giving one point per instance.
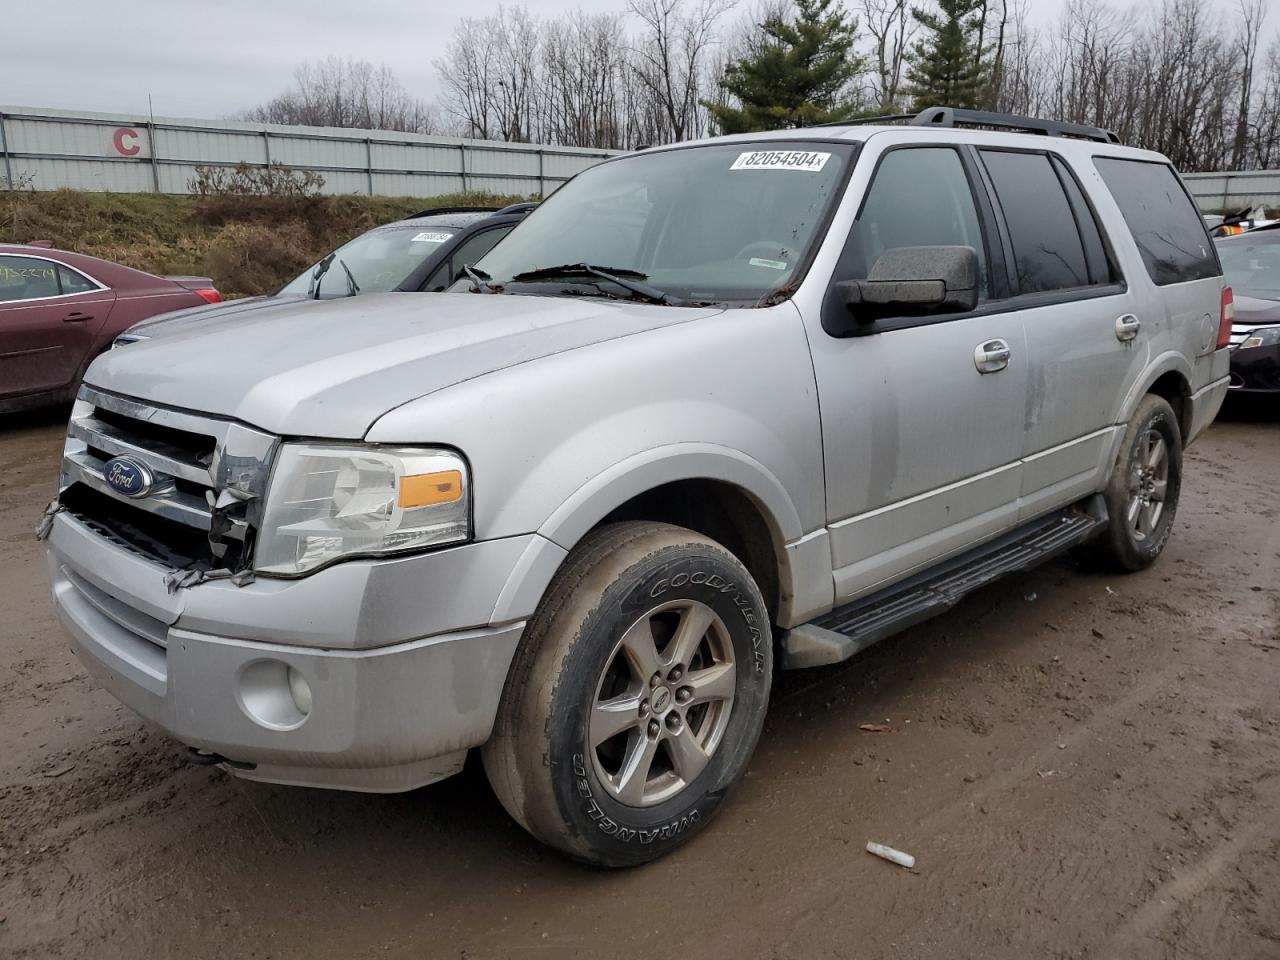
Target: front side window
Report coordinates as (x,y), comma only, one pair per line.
(1165,224)
(27,278)
(1251,264)
(1048,253)
(920,197)
(718,223)
(374,262)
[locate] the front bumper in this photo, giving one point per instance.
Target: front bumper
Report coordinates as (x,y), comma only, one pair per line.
(1256,370)
(382,718)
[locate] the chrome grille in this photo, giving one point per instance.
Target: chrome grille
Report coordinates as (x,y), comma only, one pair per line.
(209,476)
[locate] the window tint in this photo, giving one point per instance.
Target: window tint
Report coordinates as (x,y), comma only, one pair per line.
(26,278)
(920,197)
(74,282)
(1048,253)
(473,248)
(1097,254)
(1164,222)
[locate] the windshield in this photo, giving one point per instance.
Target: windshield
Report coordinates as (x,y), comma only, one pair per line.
(722,223)
(378,261)
(1252,265)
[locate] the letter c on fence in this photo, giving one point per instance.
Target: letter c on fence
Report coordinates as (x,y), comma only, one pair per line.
(126,149)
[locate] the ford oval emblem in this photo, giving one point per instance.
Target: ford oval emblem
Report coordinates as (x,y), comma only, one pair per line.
(128,476)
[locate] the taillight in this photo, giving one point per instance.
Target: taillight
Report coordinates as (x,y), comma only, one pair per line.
(1226,318)
(209,296)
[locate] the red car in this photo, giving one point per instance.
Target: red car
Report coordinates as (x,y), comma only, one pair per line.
(59,310)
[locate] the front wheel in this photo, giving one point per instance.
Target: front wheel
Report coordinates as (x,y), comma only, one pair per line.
(1142,496)
(636,697)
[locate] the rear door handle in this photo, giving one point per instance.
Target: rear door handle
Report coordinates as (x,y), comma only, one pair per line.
(991,356)
(75,316)
(1127,327)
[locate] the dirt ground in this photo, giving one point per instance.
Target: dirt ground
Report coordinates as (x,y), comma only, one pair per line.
(1083,766)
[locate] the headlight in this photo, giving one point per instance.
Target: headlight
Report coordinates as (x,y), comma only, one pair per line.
(333,501)
(1261,337)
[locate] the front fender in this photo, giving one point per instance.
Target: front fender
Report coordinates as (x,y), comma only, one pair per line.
(592,501)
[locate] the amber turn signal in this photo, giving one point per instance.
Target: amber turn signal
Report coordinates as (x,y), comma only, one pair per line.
(429,489)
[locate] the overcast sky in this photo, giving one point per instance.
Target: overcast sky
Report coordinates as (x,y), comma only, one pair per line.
(211,59)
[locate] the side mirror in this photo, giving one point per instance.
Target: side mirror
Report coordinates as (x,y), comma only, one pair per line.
(915,281)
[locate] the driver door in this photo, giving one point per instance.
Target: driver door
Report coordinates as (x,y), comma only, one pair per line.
(922,443)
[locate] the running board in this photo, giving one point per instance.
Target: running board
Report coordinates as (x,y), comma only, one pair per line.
(847,630)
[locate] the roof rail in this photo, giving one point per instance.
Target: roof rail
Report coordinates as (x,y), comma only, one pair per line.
(435,210)
(523,206)
(955,117)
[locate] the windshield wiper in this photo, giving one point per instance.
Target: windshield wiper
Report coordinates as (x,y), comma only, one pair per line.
(352,287)
(479,278)
(618,275)
(313,290)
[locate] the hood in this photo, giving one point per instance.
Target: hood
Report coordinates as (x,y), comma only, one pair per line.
(176,320)
(330,368)
(1255,310)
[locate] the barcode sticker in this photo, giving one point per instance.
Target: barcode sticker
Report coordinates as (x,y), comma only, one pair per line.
(807,161)
(431,237)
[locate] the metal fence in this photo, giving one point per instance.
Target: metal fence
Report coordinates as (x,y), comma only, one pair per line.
(1234,191)
(129,154)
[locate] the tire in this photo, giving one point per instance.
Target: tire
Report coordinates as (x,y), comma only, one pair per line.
(1142,501)
(614,615)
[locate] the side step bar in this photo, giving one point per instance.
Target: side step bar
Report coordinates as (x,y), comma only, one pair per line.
(847,630)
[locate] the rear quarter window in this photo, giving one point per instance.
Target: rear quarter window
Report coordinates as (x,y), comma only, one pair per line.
(1164,221)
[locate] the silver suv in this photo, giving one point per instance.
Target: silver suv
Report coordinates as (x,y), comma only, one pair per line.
(712,410)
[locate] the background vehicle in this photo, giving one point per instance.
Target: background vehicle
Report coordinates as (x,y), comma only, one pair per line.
(811,384)
(1251,263)
(422,253)
(59,310)
(1250,218)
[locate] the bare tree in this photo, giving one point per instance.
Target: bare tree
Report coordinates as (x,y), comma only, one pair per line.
(670,54)
(892,28)
(337,92)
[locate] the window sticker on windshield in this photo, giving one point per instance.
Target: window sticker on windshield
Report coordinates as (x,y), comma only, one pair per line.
(771,264)
(808,161)
(429,237)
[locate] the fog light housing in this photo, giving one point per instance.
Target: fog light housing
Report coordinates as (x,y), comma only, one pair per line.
(300,690)
(274,695)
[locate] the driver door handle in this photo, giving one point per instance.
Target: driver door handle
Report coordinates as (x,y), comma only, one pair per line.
(75,316)
(991,356)
(1127,327)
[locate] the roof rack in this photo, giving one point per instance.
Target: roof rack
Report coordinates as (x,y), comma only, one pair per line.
(953,117)
(956,117)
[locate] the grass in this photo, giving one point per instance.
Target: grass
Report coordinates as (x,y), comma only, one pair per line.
(248,245)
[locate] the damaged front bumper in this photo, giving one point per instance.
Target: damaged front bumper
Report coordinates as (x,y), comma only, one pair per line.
(369,675)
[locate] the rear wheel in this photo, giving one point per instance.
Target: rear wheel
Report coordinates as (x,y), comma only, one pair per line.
(1142,496)
(636,697)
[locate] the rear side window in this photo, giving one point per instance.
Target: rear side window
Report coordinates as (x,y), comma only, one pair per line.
(1048,251)
(1165,224)
(74,282)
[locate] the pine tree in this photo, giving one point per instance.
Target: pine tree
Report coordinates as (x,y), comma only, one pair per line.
(798,75)
(946,66)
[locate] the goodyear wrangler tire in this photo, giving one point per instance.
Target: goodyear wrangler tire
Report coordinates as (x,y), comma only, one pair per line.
(636,697)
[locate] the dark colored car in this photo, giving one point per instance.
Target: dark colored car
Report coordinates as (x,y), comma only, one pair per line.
(424,253)
(1251,263)
(59,310)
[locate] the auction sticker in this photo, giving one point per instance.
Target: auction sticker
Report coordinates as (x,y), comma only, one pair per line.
(429,237)
(808,161)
